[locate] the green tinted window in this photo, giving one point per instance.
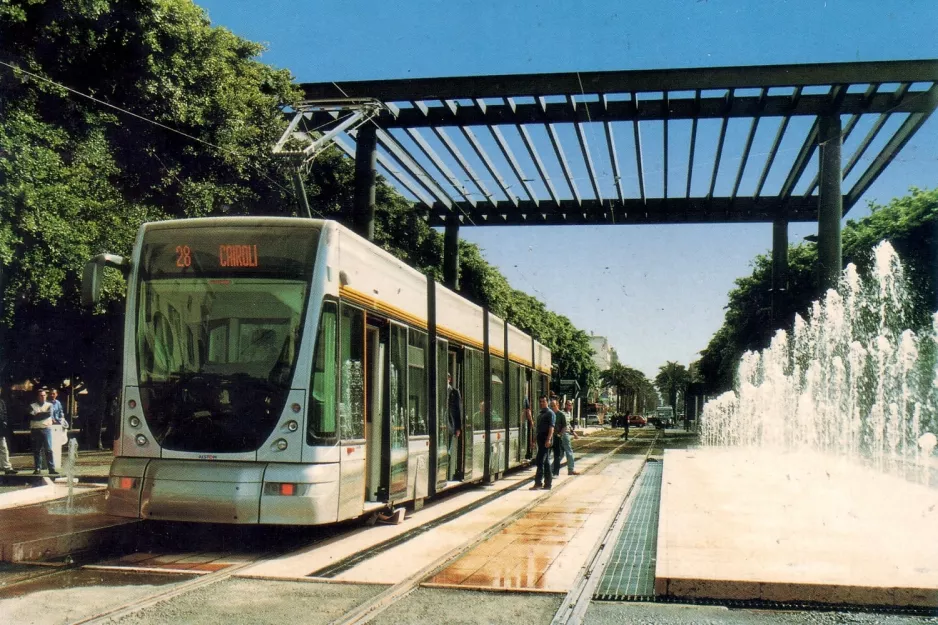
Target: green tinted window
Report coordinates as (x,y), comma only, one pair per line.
(321,425)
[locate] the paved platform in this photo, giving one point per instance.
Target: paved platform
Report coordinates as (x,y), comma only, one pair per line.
(786,527)
(546,549)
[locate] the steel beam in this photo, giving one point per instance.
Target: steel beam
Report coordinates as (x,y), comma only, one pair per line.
(625,81)
(366,151)
(635,211)
(451,252)
(614,159)
(652,109)
(513,163)
(564,165)
(693,145)
(541,170)
(489,165)
(801,161)
(637,134)
(830,204)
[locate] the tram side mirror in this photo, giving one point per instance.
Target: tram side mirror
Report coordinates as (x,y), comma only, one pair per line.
(93,275)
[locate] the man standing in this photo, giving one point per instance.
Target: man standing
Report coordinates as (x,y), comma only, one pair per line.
(40,430)
(58,413)
(4,432)
(562,443)
(454,412)
(545,437)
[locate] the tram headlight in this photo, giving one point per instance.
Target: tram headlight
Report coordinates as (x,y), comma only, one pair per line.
(141,440)
(296,408)
(293,426)
(281,444)
(134,422)
(132,403)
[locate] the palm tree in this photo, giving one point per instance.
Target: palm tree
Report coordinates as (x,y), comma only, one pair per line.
(671,380)
(630,384)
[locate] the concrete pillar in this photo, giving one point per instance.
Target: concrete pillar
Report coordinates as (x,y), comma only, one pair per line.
(451,253)
(366,154)
(830,203)
(779,266)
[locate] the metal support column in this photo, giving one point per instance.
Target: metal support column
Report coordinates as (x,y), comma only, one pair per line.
(487,396)
(451,253)
(779,266)
(366,154)
(830,203)
(433,409)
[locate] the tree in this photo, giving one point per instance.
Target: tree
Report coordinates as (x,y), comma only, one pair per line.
(631,386)
(672,381)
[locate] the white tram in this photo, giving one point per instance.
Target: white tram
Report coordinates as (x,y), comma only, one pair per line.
(287,371)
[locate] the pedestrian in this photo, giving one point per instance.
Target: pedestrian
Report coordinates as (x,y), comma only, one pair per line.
(568,408)
(58,413)
(563,446)
(5,430)
(625,424)
(545,438)
(454,412)
(40,430)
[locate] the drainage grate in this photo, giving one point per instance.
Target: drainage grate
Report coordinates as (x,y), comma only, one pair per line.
(630,573)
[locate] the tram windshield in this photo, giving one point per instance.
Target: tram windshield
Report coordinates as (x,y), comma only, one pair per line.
(217,338)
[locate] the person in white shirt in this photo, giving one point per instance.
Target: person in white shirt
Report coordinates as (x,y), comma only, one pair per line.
(40,430)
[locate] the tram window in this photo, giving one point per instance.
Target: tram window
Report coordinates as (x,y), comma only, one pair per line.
(476,392)
(514,390)
(498,393)
(398,387)
(351,373)
(321,419)
(417,383)
(218,343)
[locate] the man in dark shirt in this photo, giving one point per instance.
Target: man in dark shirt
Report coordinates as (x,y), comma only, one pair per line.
(545,438)
(454,411)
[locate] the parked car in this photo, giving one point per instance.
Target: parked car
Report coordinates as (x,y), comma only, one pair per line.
(637,421)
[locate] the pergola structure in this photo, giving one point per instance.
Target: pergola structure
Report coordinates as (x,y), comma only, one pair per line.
(627,147)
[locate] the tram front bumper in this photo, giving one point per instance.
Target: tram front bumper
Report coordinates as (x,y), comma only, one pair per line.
(223,492)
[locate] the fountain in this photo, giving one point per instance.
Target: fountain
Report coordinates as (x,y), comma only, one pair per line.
(852,380)
(812,481)
(70,474)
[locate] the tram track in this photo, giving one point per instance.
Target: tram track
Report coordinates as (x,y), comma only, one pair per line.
(372,608)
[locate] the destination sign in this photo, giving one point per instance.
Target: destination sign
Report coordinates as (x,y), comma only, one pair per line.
(225,252)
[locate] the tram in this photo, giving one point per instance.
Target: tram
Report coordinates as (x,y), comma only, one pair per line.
(287,371)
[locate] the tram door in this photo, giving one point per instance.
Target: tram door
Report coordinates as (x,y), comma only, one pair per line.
(374,415)
(461,464)
(443,460)
(396,400)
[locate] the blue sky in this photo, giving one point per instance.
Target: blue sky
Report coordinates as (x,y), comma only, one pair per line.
(657,292)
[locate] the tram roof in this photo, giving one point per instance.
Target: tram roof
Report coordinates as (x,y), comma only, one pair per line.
(705,145)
